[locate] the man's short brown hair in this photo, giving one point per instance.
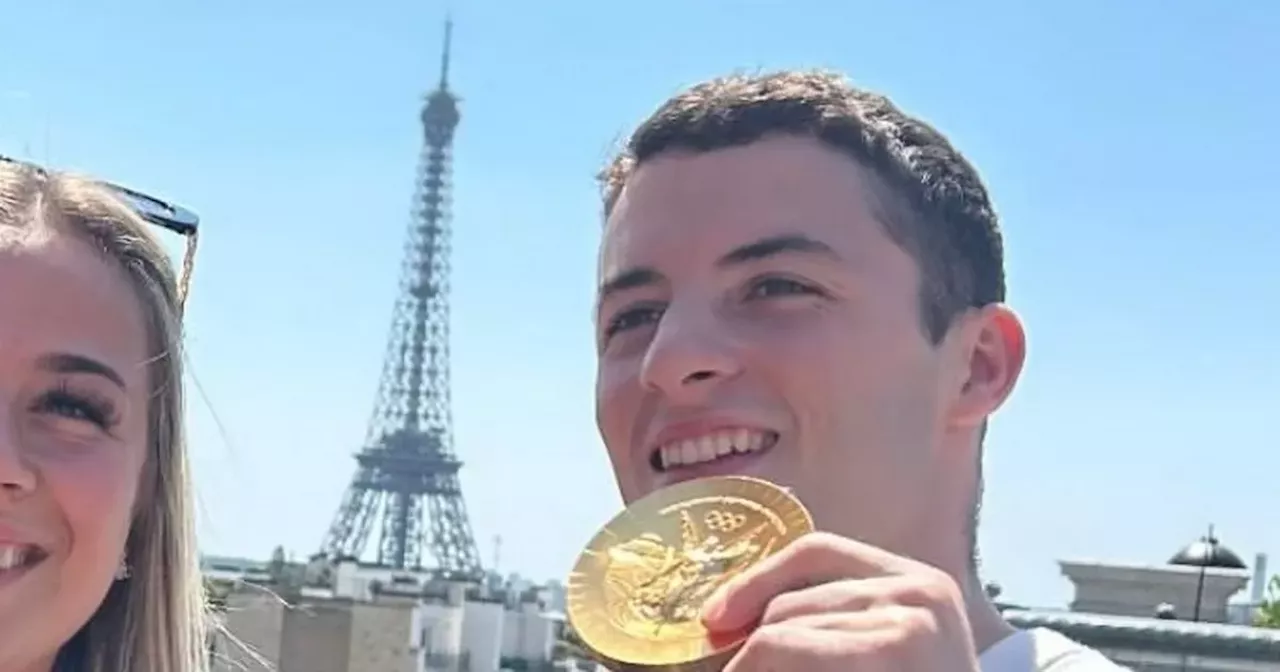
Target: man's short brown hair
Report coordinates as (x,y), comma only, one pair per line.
(931,200)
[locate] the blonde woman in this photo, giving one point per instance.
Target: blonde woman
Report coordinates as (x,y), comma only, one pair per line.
(98,568)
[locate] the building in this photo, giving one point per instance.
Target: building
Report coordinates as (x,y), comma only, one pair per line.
(1158,645)
(1139,590)
(315,634)
(360,618)
(1171,617)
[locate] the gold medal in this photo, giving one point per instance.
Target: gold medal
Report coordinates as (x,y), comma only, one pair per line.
(636,593)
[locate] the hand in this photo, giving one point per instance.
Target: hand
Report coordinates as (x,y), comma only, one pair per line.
(826,602)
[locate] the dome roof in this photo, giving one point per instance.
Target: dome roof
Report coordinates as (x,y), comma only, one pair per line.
(1207,551)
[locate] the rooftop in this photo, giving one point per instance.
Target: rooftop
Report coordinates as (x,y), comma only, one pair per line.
(1103,631)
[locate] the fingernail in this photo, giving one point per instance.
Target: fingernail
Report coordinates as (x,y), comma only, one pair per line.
(713,608)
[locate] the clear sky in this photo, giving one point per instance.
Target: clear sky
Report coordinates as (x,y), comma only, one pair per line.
(1131,149)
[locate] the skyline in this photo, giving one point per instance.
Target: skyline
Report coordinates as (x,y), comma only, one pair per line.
(1133,178)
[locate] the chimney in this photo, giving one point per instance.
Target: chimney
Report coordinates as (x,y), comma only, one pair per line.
(1259,579)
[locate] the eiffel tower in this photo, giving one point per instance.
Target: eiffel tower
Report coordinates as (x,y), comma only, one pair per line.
(406,483)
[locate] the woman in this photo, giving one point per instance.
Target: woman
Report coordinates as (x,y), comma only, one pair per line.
(98,568)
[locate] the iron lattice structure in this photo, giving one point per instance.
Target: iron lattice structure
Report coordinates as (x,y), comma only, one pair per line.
(406,484)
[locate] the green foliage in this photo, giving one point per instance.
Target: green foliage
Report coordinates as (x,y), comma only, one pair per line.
(1269,612)
(570,645)
(216,593)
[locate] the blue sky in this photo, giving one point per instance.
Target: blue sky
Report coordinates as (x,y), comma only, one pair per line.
(1130,148)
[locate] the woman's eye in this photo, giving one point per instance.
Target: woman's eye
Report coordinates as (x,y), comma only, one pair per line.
(71,406)
(632,318)
(770,287)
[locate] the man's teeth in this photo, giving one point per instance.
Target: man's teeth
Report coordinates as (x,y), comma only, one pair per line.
(712,446)
(13,556)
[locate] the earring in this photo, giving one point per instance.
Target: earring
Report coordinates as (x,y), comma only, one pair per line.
(122,572)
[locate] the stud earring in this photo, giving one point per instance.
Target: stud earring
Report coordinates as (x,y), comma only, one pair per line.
(122,572)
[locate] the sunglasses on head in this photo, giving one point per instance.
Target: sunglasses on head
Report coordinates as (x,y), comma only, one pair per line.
(155,211)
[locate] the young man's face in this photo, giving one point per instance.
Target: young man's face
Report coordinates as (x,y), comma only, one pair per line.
(755,318)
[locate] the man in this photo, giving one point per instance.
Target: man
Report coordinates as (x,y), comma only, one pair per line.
(801,283)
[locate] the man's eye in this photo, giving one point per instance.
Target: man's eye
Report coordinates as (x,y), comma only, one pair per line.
(632,318)
(764,288)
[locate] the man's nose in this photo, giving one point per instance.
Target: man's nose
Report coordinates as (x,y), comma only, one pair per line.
(17,478)
(691,352)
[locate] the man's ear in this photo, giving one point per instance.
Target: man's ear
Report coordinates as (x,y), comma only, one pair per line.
(991,349)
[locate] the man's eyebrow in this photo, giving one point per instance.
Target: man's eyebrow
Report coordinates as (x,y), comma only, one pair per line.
(776,245)
(61,362)
(643,276)
(630,279)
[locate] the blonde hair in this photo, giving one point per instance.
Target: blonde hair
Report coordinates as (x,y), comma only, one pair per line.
(154,620)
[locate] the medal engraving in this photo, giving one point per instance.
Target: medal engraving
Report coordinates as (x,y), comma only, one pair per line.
(637,592)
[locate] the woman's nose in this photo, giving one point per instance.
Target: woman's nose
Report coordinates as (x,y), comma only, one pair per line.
(16,475)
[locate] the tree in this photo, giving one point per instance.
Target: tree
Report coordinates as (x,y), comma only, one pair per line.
(570,645)
(216,593)
(1269,611)
(276,567)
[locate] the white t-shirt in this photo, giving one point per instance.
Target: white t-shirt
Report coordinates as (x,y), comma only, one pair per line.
(1043,650)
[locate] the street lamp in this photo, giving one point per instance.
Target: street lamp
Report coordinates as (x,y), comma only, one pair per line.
(1204,553)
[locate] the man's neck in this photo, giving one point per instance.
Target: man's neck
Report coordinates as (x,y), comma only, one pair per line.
(985,622)
(956,559)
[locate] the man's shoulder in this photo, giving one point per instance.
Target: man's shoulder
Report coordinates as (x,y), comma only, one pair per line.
(1043,650)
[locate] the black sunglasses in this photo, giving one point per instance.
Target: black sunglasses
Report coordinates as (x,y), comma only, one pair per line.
(161,213)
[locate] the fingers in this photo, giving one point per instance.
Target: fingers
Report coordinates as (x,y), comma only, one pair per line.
(850,595)
(829,603)
(812,560)
(788,646)
(828,641)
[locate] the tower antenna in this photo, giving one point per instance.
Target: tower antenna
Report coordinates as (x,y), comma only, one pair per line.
(444,53)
